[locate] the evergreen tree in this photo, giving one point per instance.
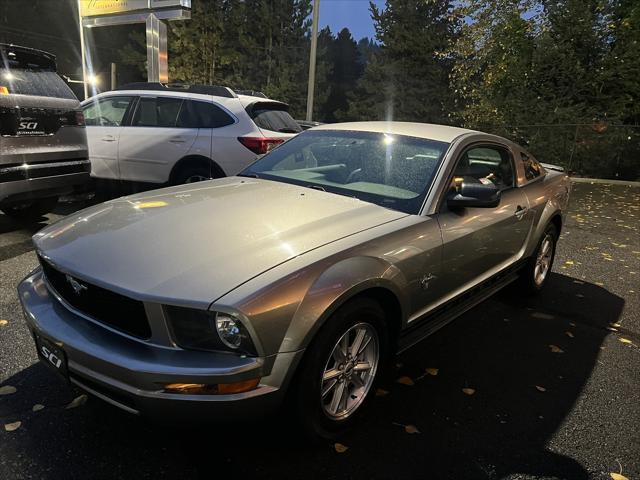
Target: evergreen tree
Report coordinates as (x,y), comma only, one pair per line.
(407,79)
(346,69)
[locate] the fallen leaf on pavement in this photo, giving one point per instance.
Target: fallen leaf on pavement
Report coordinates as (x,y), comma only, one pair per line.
(76,402)
(10,427)
(3,323)
(411,429)
(469,391)
(540,389)
(625,340)
(7,389)
(611,329)
(37,407)
(432,371)
(617,476)
(569,334)
(556,349)
(381,392)
(406,381)
(340,448)
(568,262)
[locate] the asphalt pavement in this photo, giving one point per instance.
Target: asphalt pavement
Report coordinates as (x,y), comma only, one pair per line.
(517,388)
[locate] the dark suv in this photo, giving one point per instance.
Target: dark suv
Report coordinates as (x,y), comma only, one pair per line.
(43,143)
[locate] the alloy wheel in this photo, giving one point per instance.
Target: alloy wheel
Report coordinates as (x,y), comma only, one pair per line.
(350,371)
(543,260)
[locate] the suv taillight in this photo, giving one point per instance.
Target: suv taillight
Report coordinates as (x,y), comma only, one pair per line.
(80,118)
(260,145)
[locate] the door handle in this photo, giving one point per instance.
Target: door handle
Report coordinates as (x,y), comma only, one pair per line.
(177,140)
(520,212)
(108,138)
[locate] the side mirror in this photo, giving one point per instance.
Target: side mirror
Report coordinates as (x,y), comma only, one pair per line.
(473,193)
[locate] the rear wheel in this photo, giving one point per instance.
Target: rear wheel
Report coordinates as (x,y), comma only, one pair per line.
(193,175)
(535,274)
(31,210)
(340,368)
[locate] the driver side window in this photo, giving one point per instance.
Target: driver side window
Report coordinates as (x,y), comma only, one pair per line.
(106,112)
(487,164)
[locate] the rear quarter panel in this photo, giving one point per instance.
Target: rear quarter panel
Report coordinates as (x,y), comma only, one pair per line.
(548,196)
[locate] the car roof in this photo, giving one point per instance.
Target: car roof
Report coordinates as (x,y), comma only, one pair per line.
(441,133)
(245,99)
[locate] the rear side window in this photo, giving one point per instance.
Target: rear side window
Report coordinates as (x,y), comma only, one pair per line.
(274,117)
(106,112)
(532,168)
(157,112)
(196,114)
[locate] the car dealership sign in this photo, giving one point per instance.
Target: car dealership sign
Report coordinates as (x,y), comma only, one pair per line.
(105,13)
(93,8)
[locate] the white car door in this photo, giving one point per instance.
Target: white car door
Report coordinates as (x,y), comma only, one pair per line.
(151,146)
(104,118)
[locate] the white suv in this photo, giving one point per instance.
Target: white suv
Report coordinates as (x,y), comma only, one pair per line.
(173,134)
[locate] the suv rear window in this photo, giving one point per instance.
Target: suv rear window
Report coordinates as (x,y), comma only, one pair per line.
(273,116)
(24,72)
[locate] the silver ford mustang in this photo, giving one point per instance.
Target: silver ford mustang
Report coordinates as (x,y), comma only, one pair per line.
(294,279)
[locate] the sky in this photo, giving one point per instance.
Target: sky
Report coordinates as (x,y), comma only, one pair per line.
(353,14)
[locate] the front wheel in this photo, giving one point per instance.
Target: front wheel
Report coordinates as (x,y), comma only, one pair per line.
(538,268)
(340,368)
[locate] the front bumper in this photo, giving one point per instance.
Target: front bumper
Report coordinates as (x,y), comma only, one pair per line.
(130,373)
(33,181)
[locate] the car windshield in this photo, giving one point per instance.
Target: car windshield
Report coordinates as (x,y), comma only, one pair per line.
(394,171)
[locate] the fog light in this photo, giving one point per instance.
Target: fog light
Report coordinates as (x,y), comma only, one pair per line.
(191,388)
(229,330)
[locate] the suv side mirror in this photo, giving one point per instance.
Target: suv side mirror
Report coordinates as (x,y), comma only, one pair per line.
(473,193)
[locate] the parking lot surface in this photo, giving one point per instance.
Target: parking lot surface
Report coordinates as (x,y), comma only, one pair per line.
(543,387)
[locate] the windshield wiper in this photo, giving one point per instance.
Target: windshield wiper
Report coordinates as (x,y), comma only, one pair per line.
(316,187)
(288,130)
(248,175)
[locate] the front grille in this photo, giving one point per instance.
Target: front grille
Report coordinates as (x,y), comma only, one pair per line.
(112,309)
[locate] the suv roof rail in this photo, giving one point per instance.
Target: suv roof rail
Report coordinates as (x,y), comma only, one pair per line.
(214,90)
(251,93)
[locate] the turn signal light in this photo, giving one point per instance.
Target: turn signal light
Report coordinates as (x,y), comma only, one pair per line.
(4,91)
(238,387)
(219,389)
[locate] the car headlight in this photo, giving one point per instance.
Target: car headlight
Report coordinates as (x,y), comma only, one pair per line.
(212,331)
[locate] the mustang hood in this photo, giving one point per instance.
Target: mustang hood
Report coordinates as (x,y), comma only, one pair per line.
(192,244)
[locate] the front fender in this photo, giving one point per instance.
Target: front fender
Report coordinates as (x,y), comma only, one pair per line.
(333,287)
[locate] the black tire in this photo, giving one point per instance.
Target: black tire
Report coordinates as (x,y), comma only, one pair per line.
(527,282)
(31,211)
(306,399)
(193,174)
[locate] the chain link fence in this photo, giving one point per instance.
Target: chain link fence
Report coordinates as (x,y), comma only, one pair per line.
(588,150)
